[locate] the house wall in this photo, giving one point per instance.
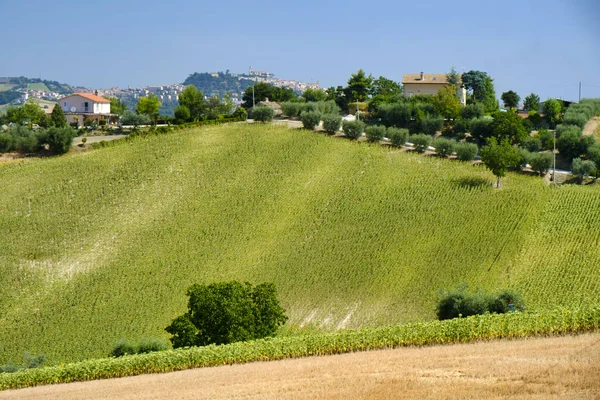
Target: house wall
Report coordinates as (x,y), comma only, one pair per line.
(422,88)
(78,102)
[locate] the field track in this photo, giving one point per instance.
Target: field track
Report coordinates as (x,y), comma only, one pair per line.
(547,368)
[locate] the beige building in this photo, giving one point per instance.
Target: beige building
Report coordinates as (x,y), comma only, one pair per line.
(417,84)
(79,107)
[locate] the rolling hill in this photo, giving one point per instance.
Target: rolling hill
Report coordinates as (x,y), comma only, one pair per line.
(101,245)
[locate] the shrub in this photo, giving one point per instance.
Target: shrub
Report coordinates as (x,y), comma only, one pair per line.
(332,123)
(540,162)
(123,348)
(150,345)
(501,302)
(59,140)
(472,111)
(222,313)
(432,124)
(327,107)
(444,147)
(577,119)
(102,122)
(397,115)
(291,109)
(240,114)
(481,128)
(353,129)
(398,136)
(593,153)
(582,168)
(533,144)
(466,151)
(263,114)
(546,139)
(571,129)
(461,303)
(310,119)
(458,129)
(6,142)
(375,133)
(569,145)
(524,157)
(420,142)
(131,118)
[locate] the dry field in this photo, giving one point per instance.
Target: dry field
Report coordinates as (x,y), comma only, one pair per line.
(546,368)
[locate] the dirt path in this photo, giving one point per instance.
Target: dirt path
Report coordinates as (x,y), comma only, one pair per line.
(547,368)
(591,126)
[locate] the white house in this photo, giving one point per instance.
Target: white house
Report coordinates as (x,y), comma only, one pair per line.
(79,107)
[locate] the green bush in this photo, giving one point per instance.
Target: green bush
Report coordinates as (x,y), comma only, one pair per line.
(430,125)
(353,129)
(444,147)
(582,168)
(524,157)
(533,144)
(6,142)
(60,140)
(546,139)
(481,128)
(328,107)
(472,111)
(263,114)
(577,119)
(397,115)
(466,151)
(420,142)
(150,345)
(123,348)
(222,313)
(540,162)
(102,122)
(291,109)
(310,119)
(375,133)
(398,136)
(461,303)
(332,123)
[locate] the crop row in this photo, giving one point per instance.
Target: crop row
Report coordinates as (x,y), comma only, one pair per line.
(461,330)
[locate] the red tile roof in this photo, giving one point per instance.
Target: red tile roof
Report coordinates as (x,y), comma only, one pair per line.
(90,96)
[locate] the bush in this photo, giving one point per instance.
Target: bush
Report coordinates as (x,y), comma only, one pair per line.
(310,119)
(582,168)
(420,142)
(131,118)
(546,139)
(123,348)
(398,136)
(222,313)
(327,107)
(102,122)
(353,129)
(472,111)
(571,129)
(291,109)
(533,144)
(60,140)
(332,123)
(461,303)
(444,147)
(263,114)
(540,162)
(432,124)
(375,133)
(150,345)
(362,107)
(397,115)
(569,145)
(466,151)
(577,119)
(481,128)
(6,142)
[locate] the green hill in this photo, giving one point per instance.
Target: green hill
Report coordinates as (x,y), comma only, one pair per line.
(101,245)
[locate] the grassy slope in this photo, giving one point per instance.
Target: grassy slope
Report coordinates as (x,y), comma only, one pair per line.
(100,246)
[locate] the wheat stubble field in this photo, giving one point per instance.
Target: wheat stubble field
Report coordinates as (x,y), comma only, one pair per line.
(544,368)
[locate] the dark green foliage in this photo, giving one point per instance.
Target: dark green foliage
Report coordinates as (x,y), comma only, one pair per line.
(524,157)
(353,129)
(8,96)
(310,119)
(263,91)
(461,303)
(582,168)
(398,136)
(131,118)
(533,144)
(291,109)
(375,133)
(472,111)
(359,86)
(182,114)
(57,117)
(444,147)
(229,312)
(30,361)
(593,153)
(430,125)
(499,156)
(481,128)
(332,123)
(490,103)
(314,95)
(6,142)
(263,114)
(466,151)
(508,126)
(546,139)
(552,110)
(458,129)
(540,162)
(59,140)
(532,103)
(570,145)
(123,348)
(563,128)
(151,345)
(474,82)
(240,114)
(510,99)
(398,115)
(420,142)
(577,119)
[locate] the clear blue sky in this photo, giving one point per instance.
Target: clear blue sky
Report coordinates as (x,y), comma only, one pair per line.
(545,47)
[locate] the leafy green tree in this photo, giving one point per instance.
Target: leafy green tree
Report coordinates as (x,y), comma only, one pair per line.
(353,129)
(182,114)
(444,147)
(264,91)
(430,125)
(481,128)
(398,114)
(398,136)
(59,139)
(263,114)
(540,162)
(446,103)
(222,313)
(339,96)
(192,99)
(131,118)
(57,117)
(216,106)
(510,99)
(508,126)
(375,133)
(497,157)
(117,106)
(149,106)
(582,168)
(466,151)
(593,153)
(314,95)
(359,86)
(552,110)
(420,142)
(474,82)
(332,123)
(532,103)
(490,103)
(454,78)
(472,111)
(386,88)
(310,119)
(570,144)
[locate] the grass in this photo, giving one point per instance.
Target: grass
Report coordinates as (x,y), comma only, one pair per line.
(38,86)
(6,86)
(101,246)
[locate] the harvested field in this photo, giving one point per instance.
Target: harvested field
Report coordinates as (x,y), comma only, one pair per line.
(547,368)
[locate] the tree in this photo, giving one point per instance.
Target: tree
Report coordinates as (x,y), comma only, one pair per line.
(222,313)
(474,82)
(314,95)
(532,103)
(454,78)
(359,86)
(310,119)
(263,91)
(353,129)
(490,103)
(444,147)
(510,99)
(569,144)
(540,162)
(582,168)
(472,111)
(420,142)
(192,99)
(263,114)
(57,117)
(508,126)
(131,118)
(215,106)
(332,123)
(465,151)
(552,110)
(149,106)
(339,96)
(385,87)
(182,114)
(497,157)
(59,139)
(117,106)
(446,103)
(430,125)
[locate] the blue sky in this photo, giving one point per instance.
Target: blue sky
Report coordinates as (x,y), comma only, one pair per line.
(546,47)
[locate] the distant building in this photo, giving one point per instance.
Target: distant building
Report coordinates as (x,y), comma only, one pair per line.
(417,84)
(79,107)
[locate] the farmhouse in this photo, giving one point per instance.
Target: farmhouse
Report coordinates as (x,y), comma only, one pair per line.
(417,84)
(79,107)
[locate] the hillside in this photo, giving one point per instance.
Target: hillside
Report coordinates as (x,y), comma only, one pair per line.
(100,246)
(221,84)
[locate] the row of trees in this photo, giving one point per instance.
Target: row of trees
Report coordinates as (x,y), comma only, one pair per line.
(31,114)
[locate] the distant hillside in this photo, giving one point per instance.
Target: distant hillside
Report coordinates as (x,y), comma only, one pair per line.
(13,83)
(219,83)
